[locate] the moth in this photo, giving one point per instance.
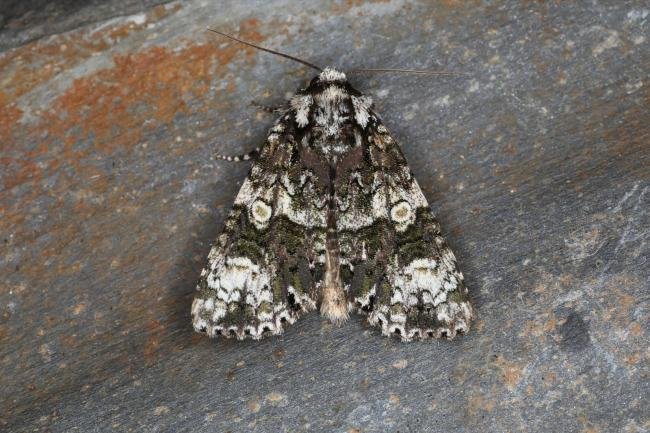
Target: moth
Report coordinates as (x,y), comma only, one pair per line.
(330,217)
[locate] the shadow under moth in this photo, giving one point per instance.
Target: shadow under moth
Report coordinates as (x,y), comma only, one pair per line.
(330,217)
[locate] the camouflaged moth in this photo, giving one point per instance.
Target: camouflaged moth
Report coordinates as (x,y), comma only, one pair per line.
(331,217)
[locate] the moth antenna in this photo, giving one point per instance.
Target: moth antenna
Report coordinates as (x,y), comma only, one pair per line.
(268,50)
(406,71)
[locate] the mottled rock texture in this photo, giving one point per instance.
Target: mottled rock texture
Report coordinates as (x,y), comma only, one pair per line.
(537,164)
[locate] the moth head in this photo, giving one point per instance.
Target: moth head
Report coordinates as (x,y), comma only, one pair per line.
(331,75)
(329,78)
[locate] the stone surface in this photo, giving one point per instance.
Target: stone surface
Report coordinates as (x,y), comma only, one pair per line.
(537,164)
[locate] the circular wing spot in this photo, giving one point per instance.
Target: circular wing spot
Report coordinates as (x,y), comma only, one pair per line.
(401,212)
(261,211)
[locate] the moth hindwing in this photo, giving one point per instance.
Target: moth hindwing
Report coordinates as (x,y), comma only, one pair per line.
(331,216)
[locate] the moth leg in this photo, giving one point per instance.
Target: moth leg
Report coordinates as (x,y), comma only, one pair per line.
(253,154)
(269,108)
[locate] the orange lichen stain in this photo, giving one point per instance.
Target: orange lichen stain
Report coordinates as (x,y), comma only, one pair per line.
(531,329)
(115,106)
(69,341)
(340,8)
(626,302)
(549,378)
(9,115)
(478,403)
(24,69)
(79,308)
(550,325)
(19,171)
(248,31)
(543,325)
(451,3)
(636,330)
(140,91)
(254,404)
(32,64)
(633,359)
(511,372)
(620,312)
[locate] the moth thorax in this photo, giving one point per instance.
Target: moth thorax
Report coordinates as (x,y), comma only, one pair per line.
(332,109)
(335,148)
